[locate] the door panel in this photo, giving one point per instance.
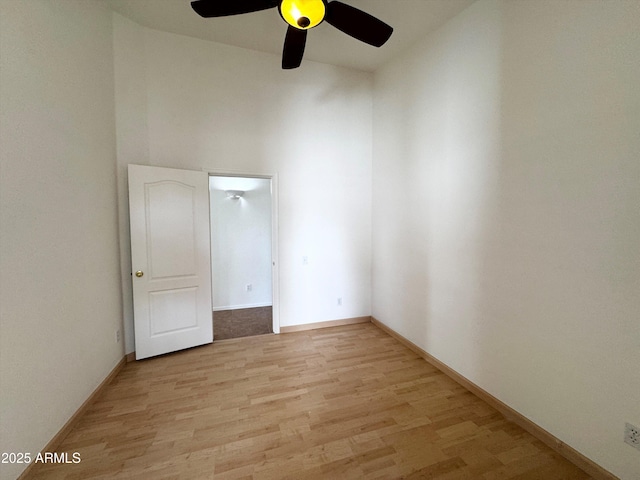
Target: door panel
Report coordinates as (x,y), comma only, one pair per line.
(169,212)
(170,209)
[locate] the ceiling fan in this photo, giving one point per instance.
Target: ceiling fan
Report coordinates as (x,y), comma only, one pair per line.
(301,15)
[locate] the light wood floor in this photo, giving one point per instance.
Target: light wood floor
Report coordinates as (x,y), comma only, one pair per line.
(338,403)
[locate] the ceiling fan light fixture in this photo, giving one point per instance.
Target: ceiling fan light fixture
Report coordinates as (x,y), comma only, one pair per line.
(234,194)
(303,14)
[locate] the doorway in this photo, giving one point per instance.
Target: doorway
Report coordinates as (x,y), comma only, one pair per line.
(241,219)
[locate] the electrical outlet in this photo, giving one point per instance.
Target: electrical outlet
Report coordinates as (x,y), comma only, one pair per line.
(339,301)
(118,336)
(249,287)
(632,435)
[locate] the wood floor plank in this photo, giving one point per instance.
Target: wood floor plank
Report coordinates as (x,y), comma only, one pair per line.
(342,402)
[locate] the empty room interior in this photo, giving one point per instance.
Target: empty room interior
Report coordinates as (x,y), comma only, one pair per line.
(451,264)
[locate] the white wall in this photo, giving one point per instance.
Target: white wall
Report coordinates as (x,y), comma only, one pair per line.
(60,296)
(223,108)
(132,145)
(240,243)
(505,215)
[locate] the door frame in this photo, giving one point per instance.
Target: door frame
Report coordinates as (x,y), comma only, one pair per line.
(275,264)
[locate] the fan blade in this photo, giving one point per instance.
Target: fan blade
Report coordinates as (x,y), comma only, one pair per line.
(223,8)
(358,24)
(293,51)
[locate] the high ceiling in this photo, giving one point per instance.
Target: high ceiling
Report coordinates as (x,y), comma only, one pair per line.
(264,31)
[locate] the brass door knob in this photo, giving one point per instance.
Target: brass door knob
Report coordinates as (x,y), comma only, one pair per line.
(139,273)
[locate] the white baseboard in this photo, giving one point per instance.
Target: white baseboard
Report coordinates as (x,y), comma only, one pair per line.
(327,324)
(239,307)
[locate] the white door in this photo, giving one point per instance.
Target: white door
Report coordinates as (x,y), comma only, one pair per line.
(170,257)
